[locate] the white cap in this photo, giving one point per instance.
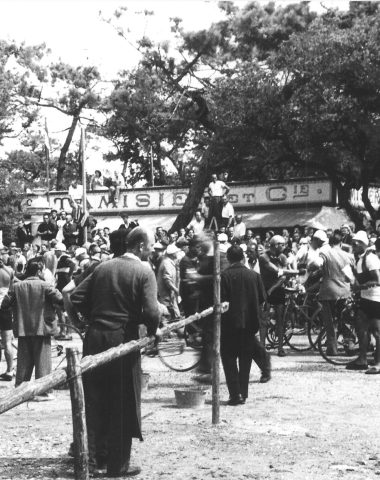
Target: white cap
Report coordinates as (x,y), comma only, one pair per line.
(80,251)
(60,247)
(361,236)
(172,248)
(222,237)
(158,246)
(321,235)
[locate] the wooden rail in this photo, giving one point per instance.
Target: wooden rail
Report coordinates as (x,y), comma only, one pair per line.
(28,390)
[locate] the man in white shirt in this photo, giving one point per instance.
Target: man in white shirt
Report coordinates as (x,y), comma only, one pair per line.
(216,190)
(239,228)
(368,320)
(197,224)
(75,191)
(228,213)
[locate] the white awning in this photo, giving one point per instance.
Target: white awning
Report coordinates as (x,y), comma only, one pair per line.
(147,221)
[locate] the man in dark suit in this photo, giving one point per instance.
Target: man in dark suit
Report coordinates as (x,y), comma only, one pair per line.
(119,295)
(23,233)
(70,232)
(244,291)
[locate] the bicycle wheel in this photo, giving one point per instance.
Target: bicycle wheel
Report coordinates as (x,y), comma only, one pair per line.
(296,322)
(347,345)
(74,339)
(272,337)
(314,328)
(178,354)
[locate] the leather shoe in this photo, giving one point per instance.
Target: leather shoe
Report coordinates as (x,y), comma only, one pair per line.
(356,366)
(265,377)
(233,401)
(131,472)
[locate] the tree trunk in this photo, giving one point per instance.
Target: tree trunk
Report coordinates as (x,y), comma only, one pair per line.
(195,193)
(62,156)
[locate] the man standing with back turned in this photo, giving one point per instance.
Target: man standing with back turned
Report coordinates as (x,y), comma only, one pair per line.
(118,296)
(244,290)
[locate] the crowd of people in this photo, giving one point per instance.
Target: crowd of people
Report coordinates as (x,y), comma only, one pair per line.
(118,279)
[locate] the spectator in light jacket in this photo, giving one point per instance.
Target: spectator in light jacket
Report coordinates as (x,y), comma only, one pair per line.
(34,323)
(168,281)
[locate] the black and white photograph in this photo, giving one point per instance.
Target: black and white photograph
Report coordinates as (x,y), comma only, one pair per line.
(189,239)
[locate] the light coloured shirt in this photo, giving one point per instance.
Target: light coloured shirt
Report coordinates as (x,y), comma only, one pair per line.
(228,211)
(197,226)
(217,188)
(239,229)
(372,262)
(76,193)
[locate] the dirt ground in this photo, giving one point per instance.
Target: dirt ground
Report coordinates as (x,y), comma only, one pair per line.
(311,421)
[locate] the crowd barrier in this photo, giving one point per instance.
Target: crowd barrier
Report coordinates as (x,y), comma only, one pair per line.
(73,375)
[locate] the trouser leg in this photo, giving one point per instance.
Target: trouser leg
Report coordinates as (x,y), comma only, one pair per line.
(25,360)
(229,356)
(96,413)
(205,364)
(328,322)
(245,362)
(42,355)
(7,337)
(280,325)
(121,400)
(362,330)
(375,328)
(260,356)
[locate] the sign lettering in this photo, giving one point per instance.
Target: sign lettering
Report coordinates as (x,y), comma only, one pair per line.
(276,194)
(172,199)
(142,200)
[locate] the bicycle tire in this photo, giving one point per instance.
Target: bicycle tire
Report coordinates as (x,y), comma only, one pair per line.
(344,355)
(271,334)
(297,328)
(314,329)
(176,354)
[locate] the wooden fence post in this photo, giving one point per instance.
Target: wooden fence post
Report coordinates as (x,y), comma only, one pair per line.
(216,338)
(74,375)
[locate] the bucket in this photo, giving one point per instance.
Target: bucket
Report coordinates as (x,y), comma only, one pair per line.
(145,381)
(191,397)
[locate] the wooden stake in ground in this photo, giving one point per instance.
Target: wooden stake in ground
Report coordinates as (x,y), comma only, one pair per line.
(74,375)
(216,338)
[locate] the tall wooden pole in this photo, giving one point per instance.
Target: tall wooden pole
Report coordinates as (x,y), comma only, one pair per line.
(151,165)
(84,179)
(48,154)
(74,374)
(216,338)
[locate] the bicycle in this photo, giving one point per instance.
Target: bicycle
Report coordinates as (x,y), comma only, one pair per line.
(302,321)
(181,351)
(346,337)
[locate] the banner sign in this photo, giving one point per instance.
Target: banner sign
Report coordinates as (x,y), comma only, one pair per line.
(172,199)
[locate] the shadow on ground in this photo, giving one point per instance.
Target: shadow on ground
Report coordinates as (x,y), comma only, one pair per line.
(25,467)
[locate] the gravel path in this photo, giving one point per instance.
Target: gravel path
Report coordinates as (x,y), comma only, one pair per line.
(311,421)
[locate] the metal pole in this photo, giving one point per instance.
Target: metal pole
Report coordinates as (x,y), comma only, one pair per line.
(74,374)
(84,180)
(216,338)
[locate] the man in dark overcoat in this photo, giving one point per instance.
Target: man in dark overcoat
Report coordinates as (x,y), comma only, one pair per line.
(244,291)
(118,296)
